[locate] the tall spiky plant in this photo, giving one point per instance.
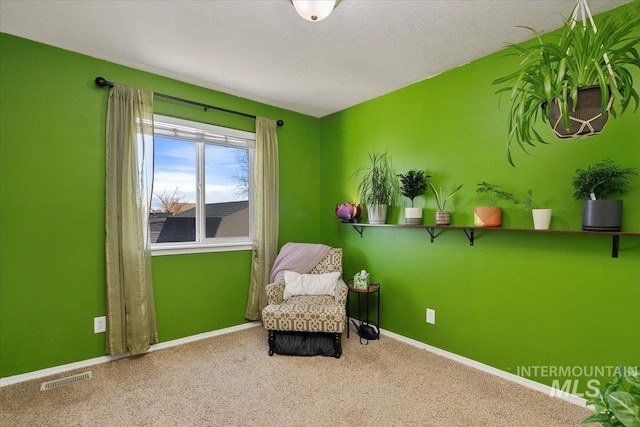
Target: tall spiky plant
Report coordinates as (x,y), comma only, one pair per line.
(377,185)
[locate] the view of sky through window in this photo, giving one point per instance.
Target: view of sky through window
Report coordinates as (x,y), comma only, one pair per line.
(226,171)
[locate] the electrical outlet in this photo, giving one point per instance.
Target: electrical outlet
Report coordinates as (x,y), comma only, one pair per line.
(99,324)
(431,316)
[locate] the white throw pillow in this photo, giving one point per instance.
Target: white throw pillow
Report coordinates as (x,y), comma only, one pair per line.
(309,284)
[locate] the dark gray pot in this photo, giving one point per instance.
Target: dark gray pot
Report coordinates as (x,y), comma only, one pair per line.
(602,215)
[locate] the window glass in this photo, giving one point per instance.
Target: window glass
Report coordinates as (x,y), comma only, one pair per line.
(226,191)
(202,195)
(173,204)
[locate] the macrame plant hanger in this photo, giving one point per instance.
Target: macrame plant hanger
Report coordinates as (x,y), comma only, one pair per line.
(586,13)
(586,124)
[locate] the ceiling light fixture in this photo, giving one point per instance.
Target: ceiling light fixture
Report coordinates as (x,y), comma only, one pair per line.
(314,10)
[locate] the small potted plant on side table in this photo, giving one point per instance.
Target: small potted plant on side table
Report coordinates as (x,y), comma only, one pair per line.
(491,215)
(595,186)
(443,217)
(412,185)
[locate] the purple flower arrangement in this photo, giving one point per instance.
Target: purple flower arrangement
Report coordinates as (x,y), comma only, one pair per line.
(348,212)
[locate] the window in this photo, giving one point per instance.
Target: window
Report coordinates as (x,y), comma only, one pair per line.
(202,193)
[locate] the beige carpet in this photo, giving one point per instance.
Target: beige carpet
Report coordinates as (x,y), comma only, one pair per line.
(230,380)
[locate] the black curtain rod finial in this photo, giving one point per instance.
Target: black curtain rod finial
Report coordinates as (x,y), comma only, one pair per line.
(102,82)
(280,123)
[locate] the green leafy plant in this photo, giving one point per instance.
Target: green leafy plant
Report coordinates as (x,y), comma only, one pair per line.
(619,403)
(377,185)
(605,179)
(528,202)
(493,193)
(440,200)
(553,71)
(413,184)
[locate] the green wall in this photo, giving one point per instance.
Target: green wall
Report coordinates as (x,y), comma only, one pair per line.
(513,299)
(52,127)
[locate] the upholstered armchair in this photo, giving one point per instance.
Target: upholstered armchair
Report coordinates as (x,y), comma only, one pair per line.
(308,324)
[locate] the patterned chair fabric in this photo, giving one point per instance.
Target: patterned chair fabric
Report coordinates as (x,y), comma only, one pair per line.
(309,313)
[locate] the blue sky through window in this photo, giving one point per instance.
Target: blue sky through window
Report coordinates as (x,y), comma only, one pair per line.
(175,167)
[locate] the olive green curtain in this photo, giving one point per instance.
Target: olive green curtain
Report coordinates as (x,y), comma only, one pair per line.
(266,215)
(131,320)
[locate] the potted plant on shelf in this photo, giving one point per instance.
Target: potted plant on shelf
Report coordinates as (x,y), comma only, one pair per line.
(571,81)
(619,403)
(491,215)
(377,187)
(443,217)
(595,185)
(541,217)
(412,185)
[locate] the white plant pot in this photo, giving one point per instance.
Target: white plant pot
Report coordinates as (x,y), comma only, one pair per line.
(377,214)
(413,216)
(541,218)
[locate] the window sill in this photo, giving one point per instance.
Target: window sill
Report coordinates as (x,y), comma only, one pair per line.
(197,248)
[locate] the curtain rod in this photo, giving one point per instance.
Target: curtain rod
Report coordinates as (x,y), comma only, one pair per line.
(102,82)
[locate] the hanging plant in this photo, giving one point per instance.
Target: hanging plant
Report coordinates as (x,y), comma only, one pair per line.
(555,72)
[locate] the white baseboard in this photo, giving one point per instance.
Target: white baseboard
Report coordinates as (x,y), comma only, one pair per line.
(103,359)
(543,388)
(549,391)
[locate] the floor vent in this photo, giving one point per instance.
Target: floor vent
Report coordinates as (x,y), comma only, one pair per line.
(48,385)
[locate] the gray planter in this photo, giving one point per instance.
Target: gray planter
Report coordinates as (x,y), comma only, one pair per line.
(602,215)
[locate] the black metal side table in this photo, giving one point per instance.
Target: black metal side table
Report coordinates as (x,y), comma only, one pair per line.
(365,328)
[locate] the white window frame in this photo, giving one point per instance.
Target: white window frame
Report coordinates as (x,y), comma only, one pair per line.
(202,134)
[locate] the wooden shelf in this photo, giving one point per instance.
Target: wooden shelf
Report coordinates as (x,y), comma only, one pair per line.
(469,231)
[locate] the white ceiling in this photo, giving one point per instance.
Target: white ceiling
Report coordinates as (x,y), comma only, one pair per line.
(262,50)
